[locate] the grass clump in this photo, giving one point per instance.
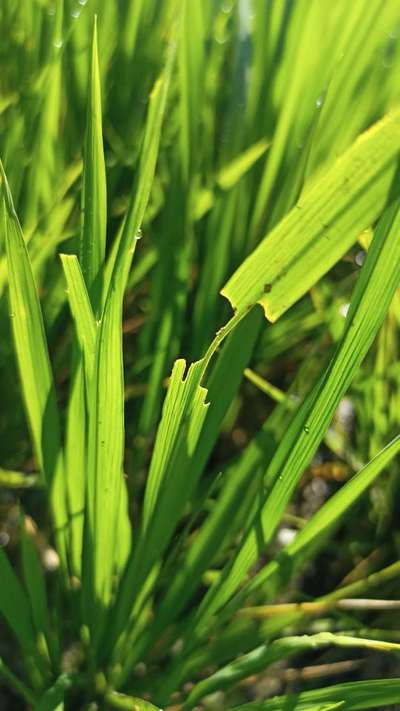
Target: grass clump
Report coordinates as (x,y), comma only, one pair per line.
(192,463)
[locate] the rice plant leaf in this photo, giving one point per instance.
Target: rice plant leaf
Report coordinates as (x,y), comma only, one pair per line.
(75,455)
(223,382)
(14,605)
(94,193)
(171,478)
(79,301)
(106,398)
(259,659)
(355,695)
(34,365)
(371,298)
(322,226)
(191,61)
(124,248)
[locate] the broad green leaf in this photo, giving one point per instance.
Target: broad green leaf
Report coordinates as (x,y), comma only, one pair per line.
(34,366)
(322,226)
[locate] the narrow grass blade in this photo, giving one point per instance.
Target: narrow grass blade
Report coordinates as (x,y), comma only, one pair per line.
(75,457)
(170,482)
(94,196)
(79,301)
(34,366)
(191,60)
(259,659)
(353,696)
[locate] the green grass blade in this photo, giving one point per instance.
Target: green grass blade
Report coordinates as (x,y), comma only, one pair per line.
(353,696)
(259,659)
(34,366)
(94,195)
(78,297)
(321,227)
(75,457)
(170,480)
(106,399)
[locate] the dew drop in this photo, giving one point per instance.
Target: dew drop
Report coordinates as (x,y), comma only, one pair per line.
(4,539)
(75,13)
(138,234)
(360,258)
(82,2)
(319,102)
(58,43)
(306,429)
